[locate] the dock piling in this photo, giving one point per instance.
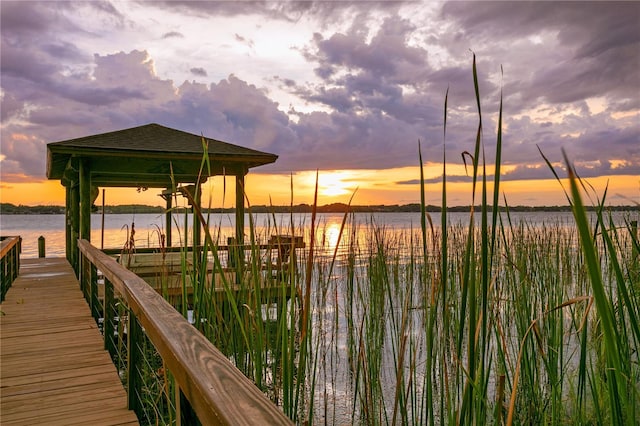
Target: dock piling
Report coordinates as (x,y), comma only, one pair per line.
(41,247)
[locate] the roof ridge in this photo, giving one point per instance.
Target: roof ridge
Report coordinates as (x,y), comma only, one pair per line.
(147,136)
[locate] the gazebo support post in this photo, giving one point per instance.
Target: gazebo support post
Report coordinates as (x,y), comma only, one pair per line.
(167,217)
(85,207)
(85,200)
(239,255)
(197,226)
(74,220)
(240,208)
(67,222)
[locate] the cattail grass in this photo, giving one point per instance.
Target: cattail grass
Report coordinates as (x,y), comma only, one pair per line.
(622,387)
(487,320)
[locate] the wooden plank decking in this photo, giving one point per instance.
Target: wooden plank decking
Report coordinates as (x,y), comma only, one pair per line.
(53,368)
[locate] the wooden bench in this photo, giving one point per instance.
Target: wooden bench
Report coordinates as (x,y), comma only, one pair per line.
(164,271)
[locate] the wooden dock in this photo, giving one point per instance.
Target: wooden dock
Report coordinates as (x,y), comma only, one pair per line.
(53,368)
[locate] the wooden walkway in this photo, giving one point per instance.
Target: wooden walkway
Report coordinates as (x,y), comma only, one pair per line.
(53,368)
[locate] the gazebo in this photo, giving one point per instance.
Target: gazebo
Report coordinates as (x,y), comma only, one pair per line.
(149,156)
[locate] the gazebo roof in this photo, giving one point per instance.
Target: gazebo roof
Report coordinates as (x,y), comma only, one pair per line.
(149,156)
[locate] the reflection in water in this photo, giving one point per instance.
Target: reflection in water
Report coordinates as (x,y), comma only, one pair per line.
(330,236)
(369,310)
(30,227)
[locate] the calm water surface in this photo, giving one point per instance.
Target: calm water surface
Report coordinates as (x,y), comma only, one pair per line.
(334,389)
(147,226)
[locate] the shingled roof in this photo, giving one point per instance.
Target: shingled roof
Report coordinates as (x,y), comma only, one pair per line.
(147,155)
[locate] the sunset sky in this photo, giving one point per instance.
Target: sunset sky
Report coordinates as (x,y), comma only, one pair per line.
(346,88)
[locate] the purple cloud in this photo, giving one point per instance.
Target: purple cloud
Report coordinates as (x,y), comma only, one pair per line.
(378,86)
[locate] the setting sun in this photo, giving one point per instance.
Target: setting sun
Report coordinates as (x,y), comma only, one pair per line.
(333,184)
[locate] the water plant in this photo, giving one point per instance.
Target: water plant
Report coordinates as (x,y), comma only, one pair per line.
(488,321)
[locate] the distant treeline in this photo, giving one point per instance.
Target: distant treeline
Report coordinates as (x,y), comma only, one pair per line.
(130,208)
(7,208)
(400,208)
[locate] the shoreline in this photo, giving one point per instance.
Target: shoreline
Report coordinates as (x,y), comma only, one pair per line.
(11,209)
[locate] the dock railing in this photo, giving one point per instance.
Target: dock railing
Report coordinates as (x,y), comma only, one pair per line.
(173,374)
(10,248)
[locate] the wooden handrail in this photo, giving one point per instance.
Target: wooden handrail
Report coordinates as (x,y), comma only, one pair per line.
(218,392)
(6,244)
(10,248)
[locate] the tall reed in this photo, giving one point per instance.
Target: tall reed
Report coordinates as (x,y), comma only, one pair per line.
(488,321)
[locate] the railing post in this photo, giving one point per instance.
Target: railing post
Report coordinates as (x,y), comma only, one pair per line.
(4,282)
(134,361)
(94,299)
(185,411)
(78,268)
(9,263)
(11,268)
(18,250)
(13,273)
(14,259)
(108,309)
(82,274)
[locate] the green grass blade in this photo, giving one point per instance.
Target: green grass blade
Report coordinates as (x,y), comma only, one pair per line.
(617,394)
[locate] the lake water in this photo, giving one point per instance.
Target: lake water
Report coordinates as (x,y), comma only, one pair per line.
(337,303)
(117,226)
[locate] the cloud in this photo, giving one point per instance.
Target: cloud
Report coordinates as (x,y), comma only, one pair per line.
(22,20)
(172,34)
(11,107)
(542,171)
(110,94)
(243,40)
(374,85)
(594,46)
(200,72)
(438,179)
(325,12)
(20,164)
(25,21)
